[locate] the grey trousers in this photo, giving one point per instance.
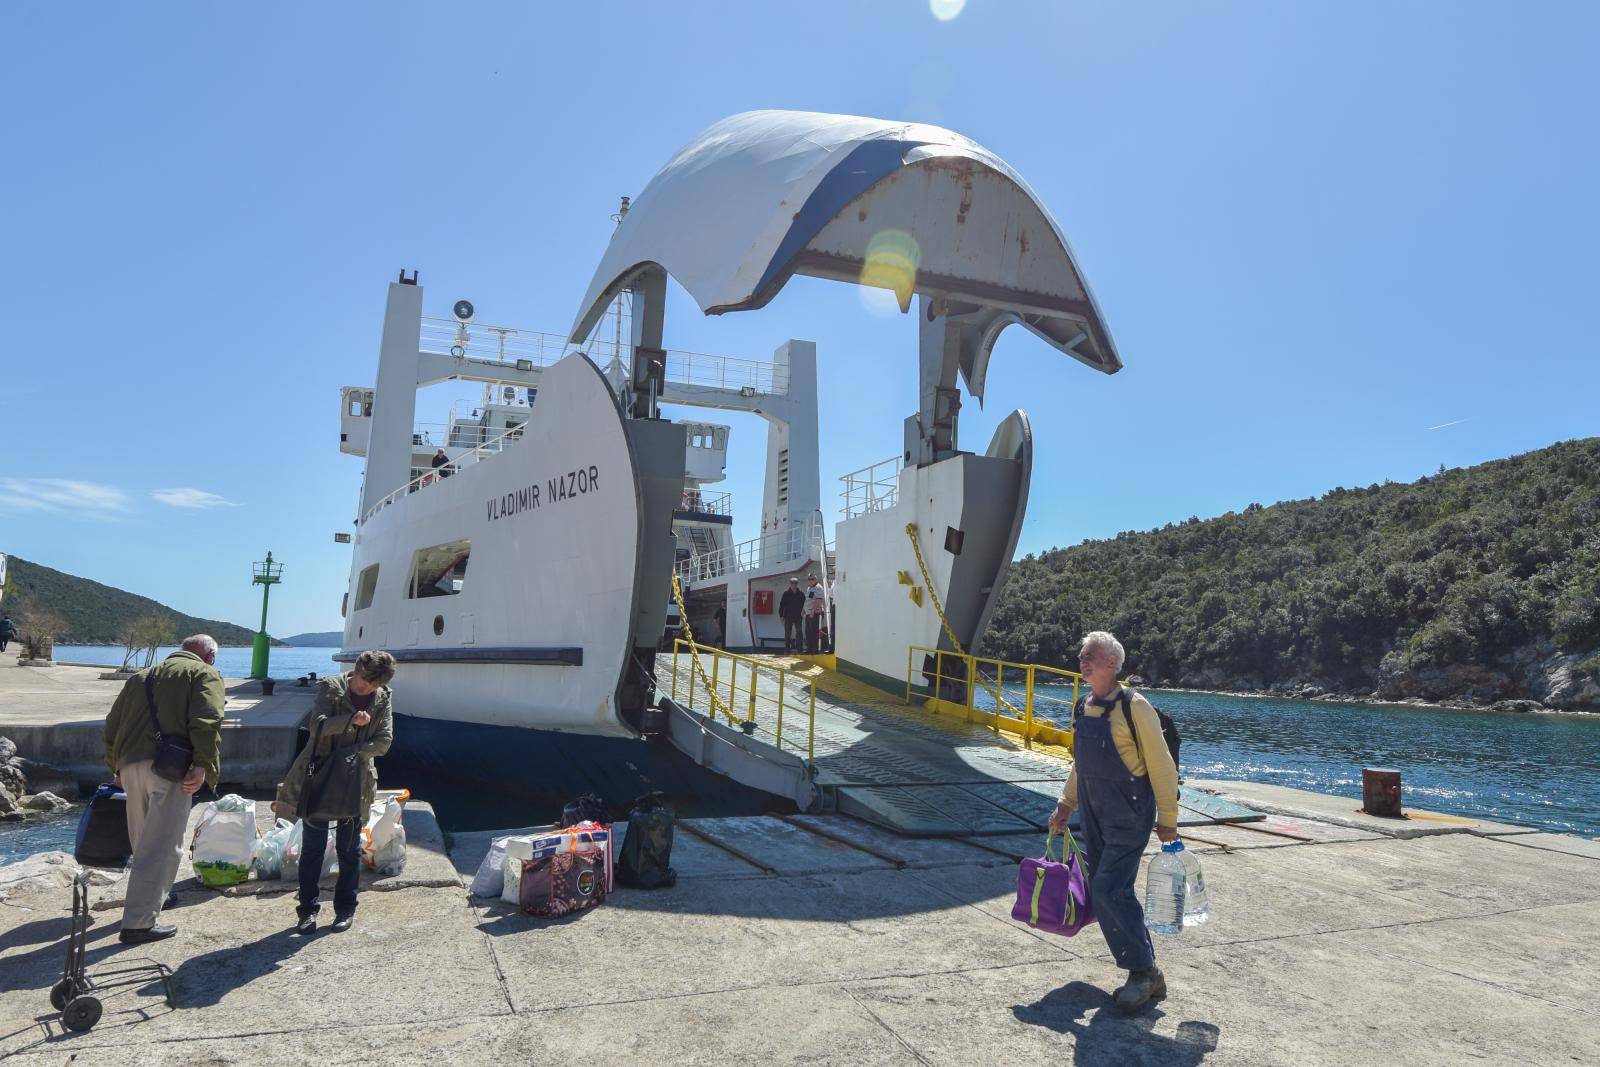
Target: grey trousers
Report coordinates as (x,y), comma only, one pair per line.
(158,815)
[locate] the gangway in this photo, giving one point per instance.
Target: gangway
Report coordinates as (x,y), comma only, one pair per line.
(928,767)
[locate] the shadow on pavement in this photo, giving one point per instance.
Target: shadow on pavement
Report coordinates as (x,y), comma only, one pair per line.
(1107,1036)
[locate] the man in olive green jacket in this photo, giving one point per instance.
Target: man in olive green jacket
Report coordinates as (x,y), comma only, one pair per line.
(189,697)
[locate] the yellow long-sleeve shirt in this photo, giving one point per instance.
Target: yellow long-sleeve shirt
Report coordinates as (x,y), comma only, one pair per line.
(1163,774)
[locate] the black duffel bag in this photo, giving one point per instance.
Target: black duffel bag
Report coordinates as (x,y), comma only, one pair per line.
(103,830)
(646,859)
(332,789)
(587,808)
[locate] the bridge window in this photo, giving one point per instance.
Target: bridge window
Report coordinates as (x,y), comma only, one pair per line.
(366,585)
(440,570)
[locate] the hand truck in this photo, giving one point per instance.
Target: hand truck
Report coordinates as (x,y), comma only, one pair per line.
(75,995)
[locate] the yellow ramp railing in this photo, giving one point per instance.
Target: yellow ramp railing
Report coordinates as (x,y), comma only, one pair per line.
(750,694)
(1021,692)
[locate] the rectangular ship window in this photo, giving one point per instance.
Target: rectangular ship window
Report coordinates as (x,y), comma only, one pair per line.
(366,585)
(438,571)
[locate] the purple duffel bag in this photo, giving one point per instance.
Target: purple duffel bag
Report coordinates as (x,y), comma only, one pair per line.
(1054,896)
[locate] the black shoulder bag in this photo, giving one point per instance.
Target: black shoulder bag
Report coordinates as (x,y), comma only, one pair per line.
(174,755)
(332,789)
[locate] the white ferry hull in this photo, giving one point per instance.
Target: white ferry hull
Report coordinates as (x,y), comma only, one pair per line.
(541,630)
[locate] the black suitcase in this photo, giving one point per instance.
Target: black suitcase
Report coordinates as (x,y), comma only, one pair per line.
(103,830)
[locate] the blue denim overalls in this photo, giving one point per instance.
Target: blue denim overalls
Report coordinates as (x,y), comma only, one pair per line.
(1116,811)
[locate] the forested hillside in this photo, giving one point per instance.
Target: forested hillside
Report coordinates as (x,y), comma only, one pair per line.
(96,614)
(1480,583)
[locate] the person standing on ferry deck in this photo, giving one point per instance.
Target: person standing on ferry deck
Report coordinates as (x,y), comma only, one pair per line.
(1123,782)
(791,608)
(360,714)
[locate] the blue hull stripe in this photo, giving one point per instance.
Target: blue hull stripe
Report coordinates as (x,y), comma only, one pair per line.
(549,657)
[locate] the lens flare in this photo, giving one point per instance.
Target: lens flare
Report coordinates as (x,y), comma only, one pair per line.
(891,263)
(945,10)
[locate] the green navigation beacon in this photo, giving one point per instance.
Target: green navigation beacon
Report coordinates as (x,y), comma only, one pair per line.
(266,575)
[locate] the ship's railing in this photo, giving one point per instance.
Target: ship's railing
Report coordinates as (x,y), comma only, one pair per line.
(537,350)
(769,550)
(456,435)
(1030,699)
(428,477)
(707,503)
(871,488)
(496,344)
(755,696)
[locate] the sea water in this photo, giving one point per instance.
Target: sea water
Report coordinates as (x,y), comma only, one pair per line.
(232,662)
(1537,769)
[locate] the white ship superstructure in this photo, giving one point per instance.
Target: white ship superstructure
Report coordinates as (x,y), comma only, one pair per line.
(524,582)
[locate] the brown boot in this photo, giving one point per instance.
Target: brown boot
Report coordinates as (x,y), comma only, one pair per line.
(1141,988)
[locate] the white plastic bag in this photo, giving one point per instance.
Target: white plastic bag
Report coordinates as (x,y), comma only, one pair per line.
(268,858)
(490,879)
(292,850)
(224,840)
(390,857)
(383,827)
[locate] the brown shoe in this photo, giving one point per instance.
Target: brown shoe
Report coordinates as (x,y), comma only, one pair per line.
(1141,988)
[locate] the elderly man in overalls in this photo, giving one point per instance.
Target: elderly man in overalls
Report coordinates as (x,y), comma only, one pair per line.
(1123,782)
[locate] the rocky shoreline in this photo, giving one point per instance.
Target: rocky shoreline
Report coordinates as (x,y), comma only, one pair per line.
(1320,695)
(16,802)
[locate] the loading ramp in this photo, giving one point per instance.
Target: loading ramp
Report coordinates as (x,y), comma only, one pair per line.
(870,755)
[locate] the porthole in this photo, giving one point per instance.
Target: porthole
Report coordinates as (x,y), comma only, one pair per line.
(438,625)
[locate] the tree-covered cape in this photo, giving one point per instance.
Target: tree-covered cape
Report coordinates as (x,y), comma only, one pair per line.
(1476,582)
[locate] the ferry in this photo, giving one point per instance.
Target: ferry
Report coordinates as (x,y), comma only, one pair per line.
(519,559)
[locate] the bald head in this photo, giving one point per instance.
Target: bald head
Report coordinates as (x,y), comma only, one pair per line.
(202,645)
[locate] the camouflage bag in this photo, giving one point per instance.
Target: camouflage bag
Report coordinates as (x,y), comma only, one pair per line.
(646,860)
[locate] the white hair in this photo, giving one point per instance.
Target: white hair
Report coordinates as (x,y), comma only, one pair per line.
(1100,642)
(202,645)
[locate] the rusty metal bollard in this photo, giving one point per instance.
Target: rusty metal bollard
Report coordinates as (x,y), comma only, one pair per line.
(1380,792)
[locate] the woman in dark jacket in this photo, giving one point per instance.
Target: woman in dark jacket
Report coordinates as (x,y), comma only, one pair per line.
(355,709)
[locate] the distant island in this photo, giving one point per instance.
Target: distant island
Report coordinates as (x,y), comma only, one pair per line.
(326,639)
(96,614)
(1477,585)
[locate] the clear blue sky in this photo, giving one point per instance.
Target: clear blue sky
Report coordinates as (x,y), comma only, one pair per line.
(1317,231)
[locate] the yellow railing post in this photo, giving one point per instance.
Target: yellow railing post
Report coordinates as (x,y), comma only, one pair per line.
(716,661)
(781,679)
(910,654)
(811,735)
(971,664)
(674,670)
(752,714)
(1027,729)
(999,693)
(733,687)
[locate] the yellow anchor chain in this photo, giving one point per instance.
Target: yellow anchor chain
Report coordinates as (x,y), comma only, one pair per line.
(694,652)
(933,594)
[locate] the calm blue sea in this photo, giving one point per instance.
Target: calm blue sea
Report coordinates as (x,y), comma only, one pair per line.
(1541,770)
(232,662)
(1538,770)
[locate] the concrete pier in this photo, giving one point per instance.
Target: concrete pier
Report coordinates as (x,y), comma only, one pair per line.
(824,939)
(55,715)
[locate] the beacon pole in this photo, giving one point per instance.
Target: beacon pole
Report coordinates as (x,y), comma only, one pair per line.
(266,575)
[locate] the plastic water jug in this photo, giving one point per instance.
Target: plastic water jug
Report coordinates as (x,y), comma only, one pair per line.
(1164,886)
(1196,909)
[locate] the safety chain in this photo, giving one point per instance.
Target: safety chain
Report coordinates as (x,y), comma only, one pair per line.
(933,594)
(694,652)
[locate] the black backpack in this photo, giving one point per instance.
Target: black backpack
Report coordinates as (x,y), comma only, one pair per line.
(587,808)
(1169,728)
(646,858)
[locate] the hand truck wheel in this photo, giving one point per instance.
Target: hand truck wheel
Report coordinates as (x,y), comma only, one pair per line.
(81,1014)
(62,992)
